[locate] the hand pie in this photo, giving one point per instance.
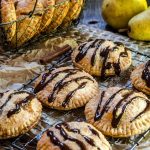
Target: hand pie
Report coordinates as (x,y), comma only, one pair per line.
(19,112)
(73,136)
(8,14)
(60,13)
(48,14)
(73,13)
(119,112)
(140,78)
(65,88)
(27,26)
(102,57)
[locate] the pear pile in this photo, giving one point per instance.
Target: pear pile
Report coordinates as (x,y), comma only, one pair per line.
(132,16)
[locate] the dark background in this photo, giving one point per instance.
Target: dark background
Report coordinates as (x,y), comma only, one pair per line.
(92,16)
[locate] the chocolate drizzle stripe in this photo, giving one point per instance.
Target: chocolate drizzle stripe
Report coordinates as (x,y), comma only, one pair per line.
(146,74)
(51,97)
(9,98)
(70,94)
(116,119)
(83,50)
(105,107)
(43,83)
(67,137)
(101,41)
(97,114)
(123,106)
(56,141)
(19,105)
(87,139)
(63,84)
(94,131)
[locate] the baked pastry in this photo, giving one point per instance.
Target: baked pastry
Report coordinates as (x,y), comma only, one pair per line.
(140,78)
(73,13)
(60,13)
(102,57)
(27,26)
(65,88)
(8,14)
(48,14)
(73,136)
(19,112)
(119,112)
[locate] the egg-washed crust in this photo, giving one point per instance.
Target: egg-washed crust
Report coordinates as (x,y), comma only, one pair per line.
(102,57)
(119,112)
(61,10)
(27,26)
(73,13)
(73,136)
(65,88)
(20,112)
(8,15)
(137,81)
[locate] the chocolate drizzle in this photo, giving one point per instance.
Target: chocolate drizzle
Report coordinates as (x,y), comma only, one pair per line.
(106,107)
(9,98)
(101,41)
(70,94)
(58,84)
(119,107)
(94,131)
(20,104)
(43,83)
(146,74)
(56,141)
(67,137)
(116,119)
(107,65)
(63,132)
(83,49)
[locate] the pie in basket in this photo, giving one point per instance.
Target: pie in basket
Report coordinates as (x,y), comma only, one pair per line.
(140,78)
(65,88)
(19,112)
(73,136)
(102,57)
(119,112)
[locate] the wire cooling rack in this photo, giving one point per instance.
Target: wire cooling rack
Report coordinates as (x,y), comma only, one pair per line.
(50,117)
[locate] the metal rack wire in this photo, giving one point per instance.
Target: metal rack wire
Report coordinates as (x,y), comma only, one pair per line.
(50,117)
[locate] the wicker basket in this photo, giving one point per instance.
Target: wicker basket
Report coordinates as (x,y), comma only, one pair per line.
(34,20)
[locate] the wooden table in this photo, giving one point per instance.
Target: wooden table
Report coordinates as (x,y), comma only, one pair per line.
(92,15)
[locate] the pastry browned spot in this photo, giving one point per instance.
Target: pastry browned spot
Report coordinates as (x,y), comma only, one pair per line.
(140,77)
(73,136)
(102,57)
(19,112)
(65,88)
(119,112)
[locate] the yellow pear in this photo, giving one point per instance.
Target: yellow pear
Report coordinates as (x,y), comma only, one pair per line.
(139,26)
(117,13)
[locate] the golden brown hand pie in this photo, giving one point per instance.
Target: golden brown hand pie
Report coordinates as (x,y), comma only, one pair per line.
(140,77)
(119,112)
(65,88)
(61,10)
(8,15)
(19,112)
(27,26)
(73,13)
(48,14)
(102,57)
(73,136)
